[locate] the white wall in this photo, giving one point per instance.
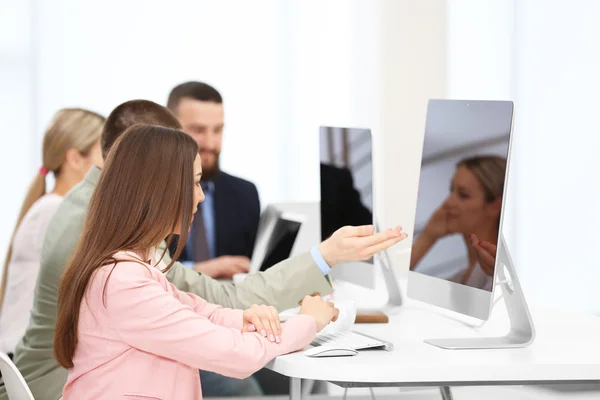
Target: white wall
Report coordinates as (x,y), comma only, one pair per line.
(557,62)
(332,64)
(19,153)
(99,54)
(412,70)
(284,68)
(542,55)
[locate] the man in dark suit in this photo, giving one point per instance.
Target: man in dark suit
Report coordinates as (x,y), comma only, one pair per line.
(223,234)
(340,201)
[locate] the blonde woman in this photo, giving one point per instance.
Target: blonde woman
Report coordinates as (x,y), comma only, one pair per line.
(472,209)
(71,146)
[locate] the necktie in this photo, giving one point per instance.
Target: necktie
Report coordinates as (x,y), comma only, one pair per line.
(199,238)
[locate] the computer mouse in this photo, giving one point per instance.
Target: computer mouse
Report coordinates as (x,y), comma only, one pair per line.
(330,351)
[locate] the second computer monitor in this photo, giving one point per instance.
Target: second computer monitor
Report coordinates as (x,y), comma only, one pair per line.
(346,171)
(278,231)
(458,221)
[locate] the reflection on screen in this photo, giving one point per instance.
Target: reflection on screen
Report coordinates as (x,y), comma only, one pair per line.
(461,188)
(346,178)
(281,242)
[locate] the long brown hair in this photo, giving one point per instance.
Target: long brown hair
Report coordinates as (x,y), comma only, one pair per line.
(146,189)
(70,128)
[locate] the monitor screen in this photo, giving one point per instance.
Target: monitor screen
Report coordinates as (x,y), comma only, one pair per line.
(346,171)
(281,242)
(461,190)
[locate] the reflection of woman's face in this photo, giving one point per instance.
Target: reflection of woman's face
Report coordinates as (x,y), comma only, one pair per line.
(467,209)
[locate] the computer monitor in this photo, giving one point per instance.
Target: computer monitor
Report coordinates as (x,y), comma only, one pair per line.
(277,233)
(462,186)
(309,233)
(346,186)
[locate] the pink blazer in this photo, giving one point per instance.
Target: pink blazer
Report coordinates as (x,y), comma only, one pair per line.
(148,339)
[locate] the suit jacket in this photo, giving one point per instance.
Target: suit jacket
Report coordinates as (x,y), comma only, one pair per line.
(281,286)
(149,339)
(237,213)
(340,201)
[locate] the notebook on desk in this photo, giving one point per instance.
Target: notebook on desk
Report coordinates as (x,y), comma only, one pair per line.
(343,336)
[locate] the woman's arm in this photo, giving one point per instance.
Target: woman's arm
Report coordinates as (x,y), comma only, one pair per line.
(214,313)
(148,318)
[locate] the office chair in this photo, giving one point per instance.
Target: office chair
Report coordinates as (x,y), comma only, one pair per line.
(16,387)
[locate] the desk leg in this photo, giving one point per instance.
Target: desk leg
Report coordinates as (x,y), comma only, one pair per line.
(295,389)
(307,387)
(445,392)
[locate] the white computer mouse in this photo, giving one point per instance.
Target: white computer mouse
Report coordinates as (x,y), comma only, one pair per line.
(330,351)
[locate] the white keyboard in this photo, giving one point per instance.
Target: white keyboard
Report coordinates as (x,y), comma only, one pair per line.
(352,340)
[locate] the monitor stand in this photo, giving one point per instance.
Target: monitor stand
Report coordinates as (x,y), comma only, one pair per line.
(391,282)
(522,331)
(395,298)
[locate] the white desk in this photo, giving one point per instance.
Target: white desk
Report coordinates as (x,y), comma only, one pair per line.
(566,350)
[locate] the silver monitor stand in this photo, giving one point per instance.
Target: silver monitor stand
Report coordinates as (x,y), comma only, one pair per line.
(391,281)
(522,331)
(395,298)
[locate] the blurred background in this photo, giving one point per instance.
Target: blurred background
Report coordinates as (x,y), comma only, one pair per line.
(284,68)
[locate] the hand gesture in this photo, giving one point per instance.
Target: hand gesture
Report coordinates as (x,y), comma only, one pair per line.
(358,243)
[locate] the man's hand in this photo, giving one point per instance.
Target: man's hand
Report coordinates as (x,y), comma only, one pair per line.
(486,254)
(358,243)
(264,320)
(223,267)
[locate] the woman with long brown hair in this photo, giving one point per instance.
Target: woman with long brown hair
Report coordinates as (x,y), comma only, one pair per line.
(122,330)
(71,145)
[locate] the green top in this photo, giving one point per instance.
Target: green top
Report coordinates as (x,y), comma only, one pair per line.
(282,286)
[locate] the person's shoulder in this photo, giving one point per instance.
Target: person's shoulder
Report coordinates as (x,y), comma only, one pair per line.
(132,264)
(48,202)
(68,219)
(236,182)
(80,194)
(74,205)
(117,278)
(126,268)
(43,209)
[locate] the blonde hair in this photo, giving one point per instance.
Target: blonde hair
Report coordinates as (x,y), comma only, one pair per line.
(70,128)
(490,171)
